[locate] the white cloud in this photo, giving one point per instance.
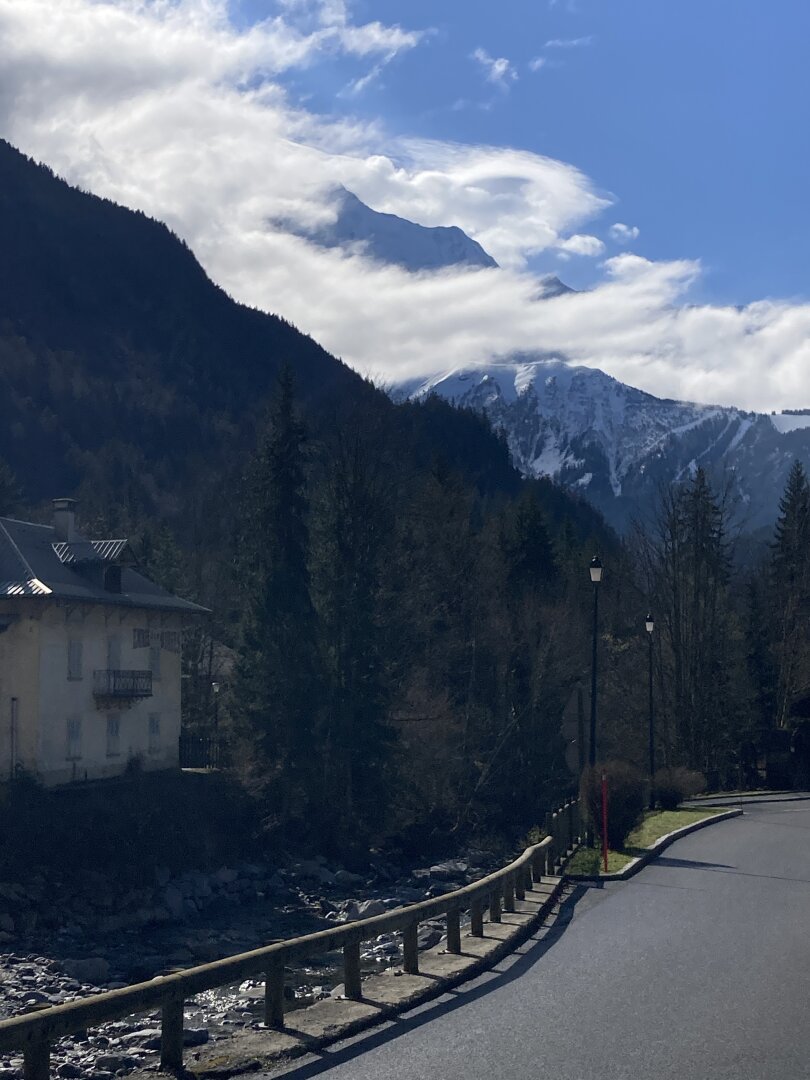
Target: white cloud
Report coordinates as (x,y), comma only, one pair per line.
(537,63)
(165,107)
(498,70)
(569,43)
(624,234)
(581,245)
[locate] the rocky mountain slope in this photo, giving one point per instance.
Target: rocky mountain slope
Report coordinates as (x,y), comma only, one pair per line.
(616,445)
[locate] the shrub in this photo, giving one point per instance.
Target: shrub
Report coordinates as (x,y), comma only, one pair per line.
(672,786)
(625,799)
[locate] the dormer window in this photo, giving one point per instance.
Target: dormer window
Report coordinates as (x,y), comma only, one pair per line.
(112,578)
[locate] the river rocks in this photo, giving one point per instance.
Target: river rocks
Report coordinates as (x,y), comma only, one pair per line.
(116,1062)
(94,969)
(452,870)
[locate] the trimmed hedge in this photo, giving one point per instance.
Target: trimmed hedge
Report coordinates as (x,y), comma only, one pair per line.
(672,786)
(625,799)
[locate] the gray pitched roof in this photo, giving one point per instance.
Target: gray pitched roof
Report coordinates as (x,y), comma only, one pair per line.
(33,564)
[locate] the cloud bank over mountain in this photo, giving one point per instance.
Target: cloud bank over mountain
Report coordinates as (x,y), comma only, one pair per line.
(176,109)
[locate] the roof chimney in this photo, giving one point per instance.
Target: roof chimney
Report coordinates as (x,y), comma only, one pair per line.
(64,519)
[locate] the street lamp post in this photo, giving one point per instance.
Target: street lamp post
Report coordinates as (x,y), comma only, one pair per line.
(650,626)
(596,576)
(213,755)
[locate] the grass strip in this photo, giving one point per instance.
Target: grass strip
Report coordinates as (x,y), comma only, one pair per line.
(654,825)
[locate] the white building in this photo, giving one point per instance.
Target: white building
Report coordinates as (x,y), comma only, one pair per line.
(89,655)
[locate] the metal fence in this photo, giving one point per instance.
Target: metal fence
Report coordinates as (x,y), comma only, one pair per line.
(202,751)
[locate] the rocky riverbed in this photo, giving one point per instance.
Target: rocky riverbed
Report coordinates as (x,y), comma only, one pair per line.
(68,941)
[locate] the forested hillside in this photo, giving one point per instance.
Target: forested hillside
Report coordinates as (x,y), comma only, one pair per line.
(413,684)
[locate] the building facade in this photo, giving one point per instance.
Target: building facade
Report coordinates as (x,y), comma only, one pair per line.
(90,656)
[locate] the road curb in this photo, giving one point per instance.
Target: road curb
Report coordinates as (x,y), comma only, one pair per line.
(641,861)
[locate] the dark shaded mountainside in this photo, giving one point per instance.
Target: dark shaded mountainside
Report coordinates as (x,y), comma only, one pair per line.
(126,374)
(122,363)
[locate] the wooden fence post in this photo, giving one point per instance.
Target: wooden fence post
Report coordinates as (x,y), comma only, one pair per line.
(495,904)
(351,970)
(539,868)
(529,872)
(37,1060)
(520,883)
(476,919)
(508,893)
(171,1034)
(454,931)
(274,995)
(410,949)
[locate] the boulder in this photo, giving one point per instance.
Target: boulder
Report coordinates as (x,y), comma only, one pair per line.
(366,909)
(452,870)
(93,969)
(114,1062)
(346,877)
(428,937)
(195,1036)
(173,901)
(68,1071)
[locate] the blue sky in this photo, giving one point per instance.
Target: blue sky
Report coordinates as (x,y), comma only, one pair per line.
(653,155)
(694,115)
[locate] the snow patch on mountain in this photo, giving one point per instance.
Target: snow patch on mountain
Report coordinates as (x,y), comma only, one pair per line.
(785,422)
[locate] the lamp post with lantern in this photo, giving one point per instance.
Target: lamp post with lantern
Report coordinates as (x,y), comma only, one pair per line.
(650,627)
(595,570)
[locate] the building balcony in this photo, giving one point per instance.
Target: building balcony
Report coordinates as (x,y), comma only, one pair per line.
(122,684)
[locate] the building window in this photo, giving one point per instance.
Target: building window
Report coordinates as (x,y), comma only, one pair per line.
(154,661)
(113,736)
(74,738)
(112,578)
(154,733)
(140,638)
(74,659)
(114,652)
(170,640)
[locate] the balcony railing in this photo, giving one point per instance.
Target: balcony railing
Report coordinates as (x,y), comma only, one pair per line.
(122,684)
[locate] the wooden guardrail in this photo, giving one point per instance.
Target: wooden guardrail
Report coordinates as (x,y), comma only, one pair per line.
(34,1032)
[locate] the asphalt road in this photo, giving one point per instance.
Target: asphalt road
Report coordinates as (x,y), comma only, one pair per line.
(699,968)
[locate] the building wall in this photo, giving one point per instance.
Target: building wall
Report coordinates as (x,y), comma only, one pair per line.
(19,688)
(75,734)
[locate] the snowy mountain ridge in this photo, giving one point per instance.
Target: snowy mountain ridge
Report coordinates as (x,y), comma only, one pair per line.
(617,444)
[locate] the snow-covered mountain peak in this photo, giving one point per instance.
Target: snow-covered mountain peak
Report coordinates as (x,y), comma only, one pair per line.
(395,240)
(616,444)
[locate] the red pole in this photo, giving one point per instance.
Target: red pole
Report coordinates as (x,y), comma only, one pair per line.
(604,821)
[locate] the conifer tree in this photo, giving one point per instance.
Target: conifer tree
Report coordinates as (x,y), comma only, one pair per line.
(276,687)
(790,583)
(353,521)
